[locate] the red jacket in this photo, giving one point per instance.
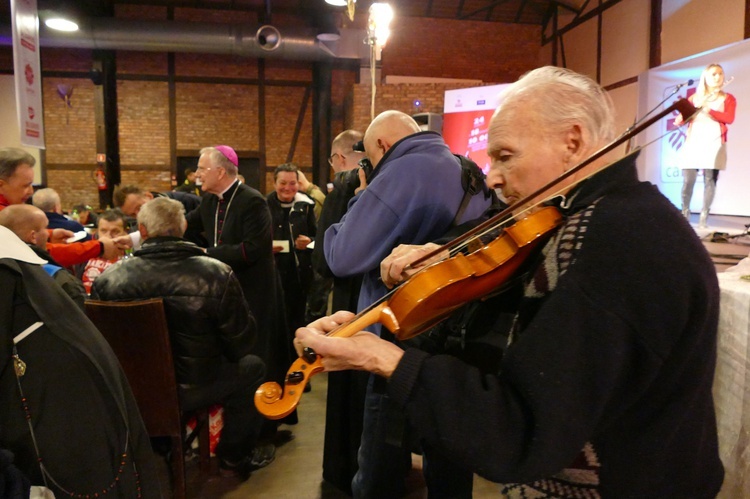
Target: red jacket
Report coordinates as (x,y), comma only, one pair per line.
(68,254)
(725,117)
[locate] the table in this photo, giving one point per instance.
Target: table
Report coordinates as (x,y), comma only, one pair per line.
(731,386)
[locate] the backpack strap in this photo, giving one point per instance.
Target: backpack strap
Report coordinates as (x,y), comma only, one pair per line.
(472,181)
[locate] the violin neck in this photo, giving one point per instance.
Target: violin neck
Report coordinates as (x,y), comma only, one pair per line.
(375,313)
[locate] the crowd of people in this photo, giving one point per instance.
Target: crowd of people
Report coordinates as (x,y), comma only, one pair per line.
(574,376)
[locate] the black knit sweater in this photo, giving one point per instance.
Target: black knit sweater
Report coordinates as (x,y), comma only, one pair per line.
(605,389)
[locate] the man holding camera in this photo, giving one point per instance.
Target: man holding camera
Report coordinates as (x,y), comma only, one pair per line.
(414,195)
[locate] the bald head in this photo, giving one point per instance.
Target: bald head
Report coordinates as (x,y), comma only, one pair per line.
(385,130)
(343,156)
(28,222)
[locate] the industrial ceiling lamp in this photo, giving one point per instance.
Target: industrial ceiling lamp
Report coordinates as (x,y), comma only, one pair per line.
(378,31)
(60,16)
(61,24)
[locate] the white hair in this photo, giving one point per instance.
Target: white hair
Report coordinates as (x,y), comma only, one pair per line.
(565,98)
(163,217)
(46,200)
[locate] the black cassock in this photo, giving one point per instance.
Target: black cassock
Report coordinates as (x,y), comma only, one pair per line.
(238,230)
(83,412)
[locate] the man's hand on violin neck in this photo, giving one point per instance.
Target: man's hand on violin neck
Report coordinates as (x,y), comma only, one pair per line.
(392,267)
(363,351)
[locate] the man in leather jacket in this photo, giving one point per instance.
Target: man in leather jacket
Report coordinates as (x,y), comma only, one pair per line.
(211,329)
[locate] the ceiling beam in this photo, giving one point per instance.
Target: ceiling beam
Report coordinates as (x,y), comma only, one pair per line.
(460,8)
(489,13)
(580,20)
(519,13)
(654,53)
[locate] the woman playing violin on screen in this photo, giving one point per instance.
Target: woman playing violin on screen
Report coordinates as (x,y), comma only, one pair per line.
(604,387)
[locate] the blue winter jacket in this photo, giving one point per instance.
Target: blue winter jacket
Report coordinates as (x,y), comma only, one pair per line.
(412,198)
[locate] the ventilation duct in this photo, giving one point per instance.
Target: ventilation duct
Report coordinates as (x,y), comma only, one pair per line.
(179,36)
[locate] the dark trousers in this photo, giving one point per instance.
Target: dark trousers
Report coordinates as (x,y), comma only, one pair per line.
(383,466)
(234,388)
(444,478)
(317,297)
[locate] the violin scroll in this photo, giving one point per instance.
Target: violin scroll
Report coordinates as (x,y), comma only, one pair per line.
(276,403)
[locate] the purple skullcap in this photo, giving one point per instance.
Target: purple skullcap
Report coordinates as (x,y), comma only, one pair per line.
(228,153)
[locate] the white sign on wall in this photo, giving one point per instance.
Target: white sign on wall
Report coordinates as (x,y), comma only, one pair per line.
(27,72)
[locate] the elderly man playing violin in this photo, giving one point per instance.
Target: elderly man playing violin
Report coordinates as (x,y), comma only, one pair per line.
(604,387)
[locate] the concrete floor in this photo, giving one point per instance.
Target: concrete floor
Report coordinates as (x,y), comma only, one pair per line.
(296,473)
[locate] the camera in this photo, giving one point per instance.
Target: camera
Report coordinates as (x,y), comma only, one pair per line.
(366,165)
(350,178)
(363,163)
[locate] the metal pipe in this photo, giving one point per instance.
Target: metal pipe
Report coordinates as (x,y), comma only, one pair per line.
(181,36)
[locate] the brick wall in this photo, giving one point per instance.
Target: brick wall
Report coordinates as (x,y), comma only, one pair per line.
(74,187)
(447,48)
(143,115)
(211,114)
(220,111)
(69,130)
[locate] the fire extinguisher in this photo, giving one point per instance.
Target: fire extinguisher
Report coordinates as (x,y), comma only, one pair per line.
(100,177)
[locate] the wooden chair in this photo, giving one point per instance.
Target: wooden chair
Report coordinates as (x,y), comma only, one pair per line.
(137,332)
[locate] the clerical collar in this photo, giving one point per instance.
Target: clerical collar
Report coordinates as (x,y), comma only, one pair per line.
(221,195)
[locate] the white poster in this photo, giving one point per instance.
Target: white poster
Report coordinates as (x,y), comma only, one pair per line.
(27,72)
(660,160)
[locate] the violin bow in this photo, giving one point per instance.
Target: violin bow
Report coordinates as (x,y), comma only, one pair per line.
(683,106)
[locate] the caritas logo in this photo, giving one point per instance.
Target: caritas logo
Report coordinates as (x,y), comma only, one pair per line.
(29,74)
(31,113)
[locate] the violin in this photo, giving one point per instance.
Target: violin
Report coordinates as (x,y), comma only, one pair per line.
(436,290)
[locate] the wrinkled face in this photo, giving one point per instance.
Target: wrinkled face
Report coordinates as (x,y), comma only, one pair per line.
(133,203)
(209,176)
(715,77)
(18,188)
(286,186)
(111,229)
(523,157)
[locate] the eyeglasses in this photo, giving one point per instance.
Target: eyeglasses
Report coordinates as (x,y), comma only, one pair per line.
(202,169)
(330,158)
